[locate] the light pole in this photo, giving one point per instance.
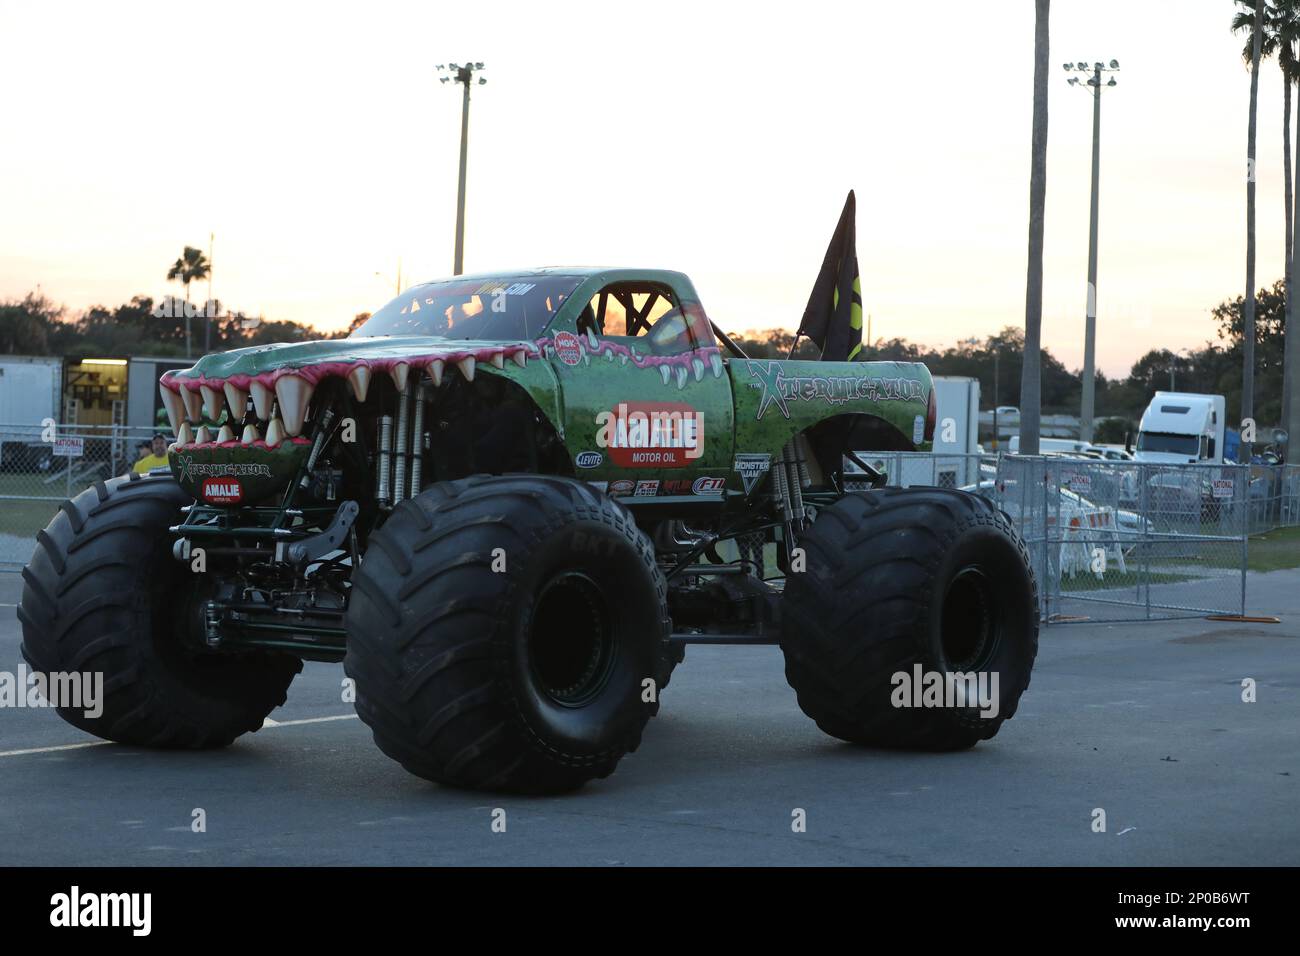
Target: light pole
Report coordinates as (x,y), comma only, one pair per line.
(1094,86)
(464,75)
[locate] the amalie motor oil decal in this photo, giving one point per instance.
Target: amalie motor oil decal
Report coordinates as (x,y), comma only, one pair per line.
(221,491)
(651,434)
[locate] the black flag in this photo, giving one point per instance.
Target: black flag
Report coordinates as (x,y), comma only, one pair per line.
(833,316)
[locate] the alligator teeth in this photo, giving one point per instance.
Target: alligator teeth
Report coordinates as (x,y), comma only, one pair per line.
(237,399)
(274,432)
(250,435)
(697,366)
(466,366)
(174,406)
(225,434)
(193,404)
(666,372)
(262,399)
(203,435)
(435,371)
(498,360)
(359,379)
(622,359)
(292,393)
(520,357)
(183,434)
(592,341)
(609,355)
(399,373)
(681,376)
(211,402)
(715,362)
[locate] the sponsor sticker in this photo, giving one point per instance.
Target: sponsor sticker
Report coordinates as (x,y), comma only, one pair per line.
(589,459)
(624,486)
(675,486)
(568,348)
(646,489)
(221,491)
(651,434)
(918,429)
(708,486)
(751,468)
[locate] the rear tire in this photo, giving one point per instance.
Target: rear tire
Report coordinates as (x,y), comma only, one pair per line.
(500,632)
(103,594)
(898,579)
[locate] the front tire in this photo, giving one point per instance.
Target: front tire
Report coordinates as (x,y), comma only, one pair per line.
(103,595)
(910,582)
(501,632)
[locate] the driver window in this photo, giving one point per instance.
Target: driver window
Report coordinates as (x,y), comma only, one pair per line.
(635,310)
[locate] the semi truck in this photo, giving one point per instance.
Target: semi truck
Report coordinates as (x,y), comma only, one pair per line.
(1182,427)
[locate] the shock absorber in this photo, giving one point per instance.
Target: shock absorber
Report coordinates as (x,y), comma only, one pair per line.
(401,445)
(417,439)
(383,492)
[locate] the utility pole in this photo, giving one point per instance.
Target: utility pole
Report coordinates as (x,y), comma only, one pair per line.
(207,319)
(464,75)
(1094,86)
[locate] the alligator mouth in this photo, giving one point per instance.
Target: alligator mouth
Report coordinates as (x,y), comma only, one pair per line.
(282,397)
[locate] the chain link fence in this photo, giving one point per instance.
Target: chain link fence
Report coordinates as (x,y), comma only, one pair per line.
(40,467)
(1122,541)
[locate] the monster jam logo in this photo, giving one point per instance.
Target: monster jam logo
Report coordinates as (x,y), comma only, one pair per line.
(190,469)
(833,389)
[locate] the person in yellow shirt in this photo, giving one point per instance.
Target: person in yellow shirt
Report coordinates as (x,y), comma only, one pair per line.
(157,457)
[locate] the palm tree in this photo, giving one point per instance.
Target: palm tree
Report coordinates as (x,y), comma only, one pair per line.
(192,264)
(1031,370)
(1249,19)
(1288,33)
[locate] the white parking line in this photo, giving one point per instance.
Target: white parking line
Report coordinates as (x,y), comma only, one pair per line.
(101,743)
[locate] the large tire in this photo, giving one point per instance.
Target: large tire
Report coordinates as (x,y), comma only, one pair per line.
(103,594)
(527,678)
(897,578)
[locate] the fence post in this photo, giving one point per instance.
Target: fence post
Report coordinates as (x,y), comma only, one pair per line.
(1144,567)
(1245,538)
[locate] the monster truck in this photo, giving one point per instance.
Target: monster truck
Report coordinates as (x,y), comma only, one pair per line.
(506,503)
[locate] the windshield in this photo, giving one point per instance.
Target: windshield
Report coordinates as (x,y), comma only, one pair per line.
(1162,441)
(499,309)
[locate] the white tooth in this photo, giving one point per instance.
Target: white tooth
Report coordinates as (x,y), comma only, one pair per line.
(399,372)
(609,355)
(681,376)
(715,361)
(237,399)
(622,359)
(202,436)
(466,366)
(697,366)
(520,358)
(183,434)
(592,340)
(211,402)
(225,434)
(498,360)
(193,403)
(435,371)
(359,379)
(292,393)
(174,406)
(173,446)
(262,398)
(274,433)
(250,435)
(666,372)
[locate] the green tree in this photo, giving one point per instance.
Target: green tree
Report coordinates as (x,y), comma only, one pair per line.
(192,265)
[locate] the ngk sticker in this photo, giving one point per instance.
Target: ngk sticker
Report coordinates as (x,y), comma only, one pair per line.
(568,348)
(651,434)
(221,491)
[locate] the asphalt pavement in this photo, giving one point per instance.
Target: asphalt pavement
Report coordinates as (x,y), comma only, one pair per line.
(1143,721)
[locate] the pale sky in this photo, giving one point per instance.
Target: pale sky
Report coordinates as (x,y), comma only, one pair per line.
(717,139)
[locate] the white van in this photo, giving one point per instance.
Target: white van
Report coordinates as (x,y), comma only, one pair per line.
(1054,446)
(1181,427)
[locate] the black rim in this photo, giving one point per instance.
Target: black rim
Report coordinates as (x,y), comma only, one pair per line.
(571,643)
(969,625)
